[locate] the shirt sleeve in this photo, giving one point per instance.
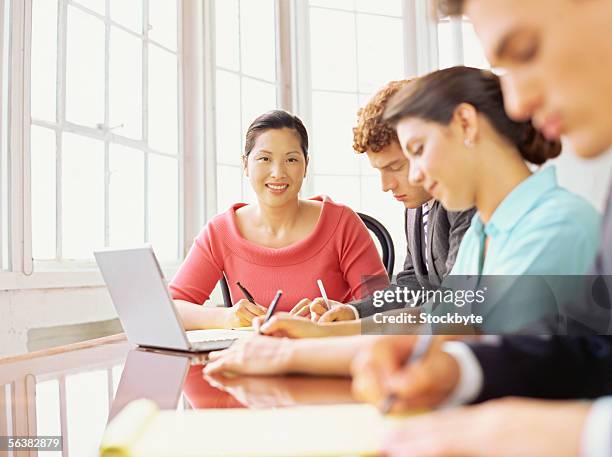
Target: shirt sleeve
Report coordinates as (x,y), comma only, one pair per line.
(470,374)
(199,273)
(360,262)
(596,437)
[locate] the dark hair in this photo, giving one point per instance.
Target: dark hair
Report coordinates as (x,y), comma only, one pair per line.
(275,119)
(435,97)
(449,7)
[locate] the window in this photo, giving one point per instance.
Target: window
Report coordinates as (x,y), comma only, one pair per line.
(246,86)
(105,152)
(347,68)
(458,44)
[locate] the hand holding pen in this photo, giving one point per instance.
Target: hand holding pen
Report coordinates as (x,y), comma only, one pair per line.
(245,310)
(387,375)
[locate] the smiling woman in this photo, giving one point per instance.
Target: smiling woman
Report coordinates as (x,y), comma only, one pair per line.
(279,242)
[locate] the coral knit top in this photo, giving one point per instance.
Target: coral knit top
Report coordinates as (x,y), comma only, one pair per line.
(339,251)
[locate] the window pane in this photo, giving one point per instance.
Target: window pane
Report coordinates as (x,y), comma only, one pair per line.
(334,116)
(390,7)
(163,22)
(227,108)
(333,60)
(163,99)
(82,196)
(341,4)
(341,189)
(86,411)
(126,196)
(257,35)
(257,98)
(125,84)
(227,34)
(48,411)
(163,206)
(380,51)
(248,194)
(446,57)
(94,5)
(84,69)
(43,160)
(472,48)
(44,59)
(127,13)
(228,187)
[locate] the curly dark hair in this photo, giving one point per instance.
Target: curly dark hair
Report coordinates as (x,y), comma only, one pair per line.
(372,133)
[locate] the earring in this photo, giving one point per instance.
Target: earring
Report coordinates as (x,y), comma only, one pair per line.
(468,143)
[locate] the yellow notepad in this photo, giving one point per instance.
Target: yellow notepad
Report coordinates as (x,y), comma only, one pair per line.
(142,430)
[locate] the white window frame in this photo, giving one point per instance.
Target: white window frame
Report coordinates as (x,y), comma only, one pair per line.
(22,274)
(283,18)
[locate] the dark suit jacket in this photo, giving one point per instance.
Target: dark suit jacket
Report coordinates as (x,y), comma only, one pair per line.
(445,232)
(560,366)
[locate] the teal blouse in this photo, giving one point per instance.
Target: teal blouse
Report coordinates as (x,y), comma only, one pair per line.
(538,229)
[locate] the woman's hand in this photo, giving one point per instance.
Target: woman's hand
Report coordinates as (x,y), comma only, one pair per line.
(243,313)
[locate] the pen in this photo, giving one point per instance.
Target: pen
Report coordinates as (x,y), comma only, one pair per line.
(246,293)
(272,307)
(423,344)
(323,293)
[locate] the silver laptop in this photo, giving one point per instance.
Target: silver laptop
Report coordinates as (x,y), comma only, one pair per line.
(145,308)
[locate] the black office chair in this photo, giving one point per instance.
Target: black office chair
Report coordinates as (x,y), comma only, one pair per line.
(385,240)
(379,230)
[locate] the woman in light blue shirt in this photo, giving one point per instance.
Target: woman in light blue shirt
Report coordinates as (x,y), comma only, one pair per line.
(465,151)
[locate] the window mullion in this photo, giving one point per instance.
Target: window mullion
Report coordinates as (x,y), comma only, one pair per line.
(210,145)
(283,52)
(193,191)
(21,258)
(302,75)
(61,120)
(145,110)
(107,30)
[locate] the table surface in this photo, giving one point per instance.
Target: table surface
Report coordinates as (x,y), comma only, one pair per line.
(73,391)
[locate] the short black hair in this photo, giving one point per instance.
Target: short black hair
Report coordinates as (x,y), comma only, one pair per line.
(276,119)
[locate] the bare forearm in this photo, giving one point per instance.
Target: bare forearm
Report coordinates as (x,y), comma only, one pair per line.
(196,317)
(343,328)
(325,356)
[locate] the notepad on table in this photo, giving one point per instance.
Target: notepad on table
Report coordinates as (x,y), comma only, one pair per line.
(142,430)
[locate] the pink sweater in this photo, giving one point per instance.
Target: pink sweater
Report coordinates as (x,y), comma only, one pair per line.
(339,251)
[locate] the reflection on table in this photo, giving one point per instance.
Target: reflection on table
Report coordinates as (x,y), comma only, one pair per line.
(75,390)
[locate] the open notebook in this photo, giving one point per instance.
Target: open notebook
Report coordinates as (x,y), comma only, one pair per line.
(142,430)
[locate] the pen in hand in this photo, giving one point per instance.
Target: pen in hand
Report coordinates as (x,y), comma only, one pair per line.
(246,293)
(421,347)
(271,308)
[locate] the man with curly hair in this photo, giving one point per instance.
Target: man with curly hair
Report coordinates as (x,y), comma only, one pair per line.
(432,233)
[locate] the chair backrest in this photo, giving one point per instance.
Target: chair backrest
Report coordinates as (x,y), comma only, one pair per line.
(385,240)
(379,231)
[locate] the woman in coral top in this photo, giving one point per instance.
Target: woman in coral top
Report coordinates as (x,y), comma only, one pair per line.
(279,242)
